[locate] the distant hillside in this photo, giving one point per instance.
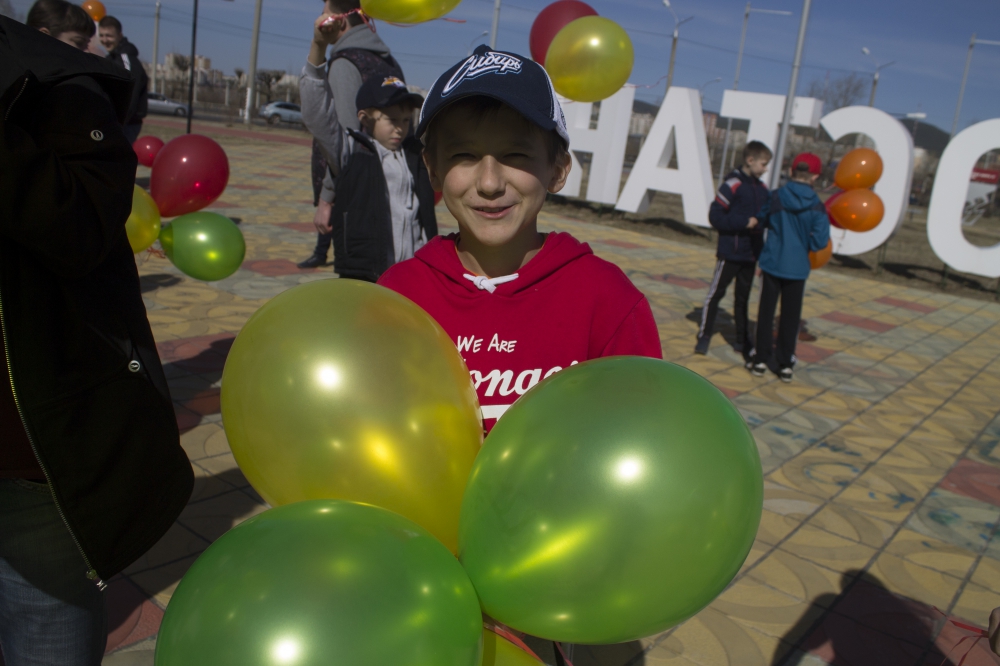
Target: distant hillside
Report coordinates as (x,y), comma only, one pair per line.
(931,138)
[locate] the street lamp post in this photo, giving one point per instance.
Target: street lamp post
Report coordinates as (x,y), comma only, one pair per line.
(786,120)
(478,37)
(194,71)
(965,76)
(673,47)
(736,79)
(878,70)
(252,68)
(496,25)
(156,43)
(701,90)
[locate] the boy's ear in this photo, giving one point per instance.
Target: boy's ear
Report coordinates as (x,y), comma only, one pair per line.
(564,163)
(436,182)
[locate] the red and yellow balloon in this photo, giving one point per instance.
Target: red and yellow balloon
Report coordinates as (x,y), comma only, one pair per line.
(143,224)
(588,58)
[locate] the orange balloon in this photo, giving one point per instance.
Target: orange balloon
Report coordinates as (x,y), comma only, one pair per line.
(95,8)
(821,258)
(858,210)
(860,168)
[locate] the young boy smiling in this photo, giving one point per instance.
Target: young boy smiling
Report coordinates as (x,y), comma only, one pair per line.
(520,305)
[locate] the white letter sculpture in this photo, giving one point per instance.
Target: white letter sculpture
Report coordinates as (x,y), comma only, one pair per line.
(679,125)
(606,144)
(895,146)
(944,217)
(764,111)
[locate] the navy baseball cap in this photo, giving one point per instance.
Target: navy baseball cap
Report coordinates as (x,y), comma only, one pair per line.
(380,92)
(518,82)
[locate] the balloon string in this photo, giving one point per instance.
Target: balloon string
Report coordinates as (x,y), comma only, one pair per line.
(506,633)
(980,634)
(651,85)
(414,25)
(566,659)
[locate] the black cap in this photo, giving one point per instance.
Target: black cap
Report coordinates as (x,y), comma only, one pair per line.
(518,82)
(382,92)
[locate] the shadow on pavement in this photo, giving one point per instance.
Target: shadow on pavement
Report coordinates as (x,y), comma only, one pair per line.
(865,625)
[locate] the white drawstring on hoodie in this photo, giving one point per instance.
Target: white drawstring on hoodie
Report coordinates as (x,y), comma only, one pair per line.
(489,284)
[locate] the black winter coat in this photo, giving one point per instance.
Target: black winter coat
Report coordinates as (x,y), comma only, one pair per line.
(127,55)
(82,360)
(739,198)
(361,218)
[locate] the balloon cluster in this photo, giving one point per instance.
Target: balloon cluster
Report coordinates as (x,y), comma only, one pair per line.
(589,58)
(855,207)
(189,173)
(615,499)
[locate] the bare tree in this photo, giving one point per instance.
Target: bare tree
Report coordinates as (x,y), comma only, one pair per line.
(266,80)
(239,75)
(839,92)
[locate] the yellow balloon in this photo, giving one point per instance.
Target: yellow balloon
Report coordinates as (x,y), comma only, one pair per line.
(590,59)
(341,389)
(407,11)
(498,651)
(143,224)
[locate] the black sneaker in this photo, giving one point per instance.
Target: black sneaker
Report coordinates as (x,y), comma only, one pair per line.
(757,369)
(315,261)
(702,346)
(785,374)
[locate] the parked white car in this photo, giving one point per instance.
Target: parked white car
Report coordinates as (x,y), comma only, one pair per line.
(275,112)
(160,104)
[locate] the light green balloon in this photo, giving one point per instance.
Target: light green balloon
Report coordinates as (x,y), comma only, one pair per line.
(612,501)
(205,246)
(323,583)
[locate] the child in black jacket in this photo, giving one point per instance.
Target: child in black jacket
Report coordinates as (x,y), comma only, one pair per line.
(740,197)
(383,208)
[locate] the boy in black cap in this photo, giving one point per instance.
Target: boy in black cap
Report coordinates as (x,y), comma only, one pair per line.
(384,204)
(520,305)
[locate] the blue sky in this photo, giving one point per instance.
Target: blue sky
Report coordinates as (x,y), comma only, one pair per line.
(928,39)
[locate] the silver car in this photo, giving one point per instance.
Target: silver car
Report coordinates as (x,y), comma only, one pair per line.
(275,112)
(160,104)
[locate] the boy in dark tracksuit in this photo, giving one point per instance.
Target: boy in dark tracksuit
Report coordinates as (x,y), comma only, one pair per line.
(796,225)
(733,214)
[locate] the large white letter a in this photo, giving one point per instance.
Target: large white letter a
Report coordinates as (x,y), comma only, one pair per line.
(678,126)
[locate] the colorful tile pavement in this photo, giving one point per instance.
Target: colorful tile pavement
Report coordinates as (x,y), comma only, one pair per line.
(882,472)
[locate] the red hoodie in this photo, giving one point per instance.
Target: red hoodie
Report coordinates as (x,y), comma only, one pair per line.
(563,307)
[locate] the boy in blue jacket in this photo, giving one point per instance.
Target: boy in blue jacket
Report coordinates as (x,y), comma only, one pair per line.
(796,224)
(733,214)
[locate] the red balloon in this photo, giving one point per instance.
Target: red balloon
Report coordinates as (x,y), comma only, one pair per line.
(189,173)
(146,149)
(437,197)
(829,215)
(551,20)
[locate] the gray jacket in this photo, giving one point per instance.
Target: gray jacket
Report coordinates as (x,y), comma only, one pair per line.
(328,94)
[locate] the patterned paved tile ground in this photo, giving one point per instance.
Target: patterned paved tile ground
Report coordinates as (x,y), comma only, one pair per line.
(882,472)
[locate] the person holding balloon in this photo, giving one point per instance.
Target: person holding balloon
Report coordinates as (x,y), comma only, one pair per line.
(91,469)
(519,304)
(796,224)
(329,88)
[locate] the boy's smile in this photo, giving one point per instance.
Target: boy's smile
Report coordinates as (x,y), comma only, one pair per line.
(494,171)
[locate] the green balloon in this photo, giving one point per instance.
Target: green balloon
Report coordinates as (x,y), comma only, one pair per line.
(614,500)
(205,246)
(323,582)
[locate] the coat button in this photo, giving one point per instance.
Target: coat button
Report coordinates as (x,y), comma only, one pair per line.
(133,366)
(97,135)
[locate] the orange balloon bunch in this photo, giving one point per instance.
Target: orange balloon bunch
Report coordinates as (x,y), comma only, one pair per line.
(857,208)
